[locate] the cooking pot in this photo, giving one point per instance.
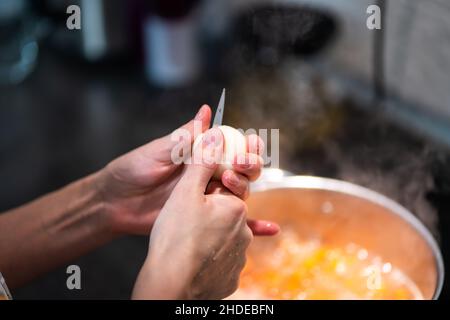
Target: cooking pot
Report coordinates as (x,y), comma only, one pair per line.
(338,213)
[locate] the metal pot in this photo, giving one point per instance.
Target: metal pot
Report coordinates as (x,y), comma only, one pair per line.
(338,212)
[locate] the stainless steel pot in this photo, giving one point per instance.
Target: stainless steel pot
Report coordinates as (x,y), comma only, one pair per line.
(339,212)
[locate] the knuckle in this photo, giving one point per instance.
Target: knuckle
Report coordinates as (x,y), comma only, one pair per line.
(241,210)
(231,210)
(241,207)
(237,207)
(248,236)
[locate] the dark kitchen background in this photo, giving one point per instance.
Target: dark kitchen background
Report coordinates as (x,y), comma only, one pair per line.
(367,106)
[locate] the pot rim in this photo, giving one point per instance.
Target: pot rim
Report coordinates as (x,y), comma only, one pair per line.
(319,183)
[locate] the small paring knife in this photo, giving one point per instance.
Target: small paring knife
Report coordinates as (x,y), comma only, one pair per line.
(219,112)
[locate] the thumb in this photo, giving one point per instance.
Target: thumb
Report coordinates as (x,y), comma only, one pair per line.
(206,156)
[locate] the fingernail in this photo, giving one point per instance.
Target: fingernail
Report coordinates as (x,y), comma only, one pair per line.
(200,113)
(208,140)
(212,138)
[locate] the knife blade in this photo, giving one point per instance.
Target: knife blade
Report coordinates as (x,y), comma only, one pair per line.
(219,112)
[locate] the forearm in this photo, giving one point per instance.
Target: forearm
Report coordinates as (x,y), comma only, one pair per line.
(52,230)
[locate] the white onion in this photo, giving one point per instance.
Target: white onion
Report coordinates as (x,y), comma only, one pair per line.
(234,144)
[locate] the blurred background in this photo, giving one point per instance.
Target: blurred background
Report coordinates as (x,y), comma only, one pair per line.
(367,106)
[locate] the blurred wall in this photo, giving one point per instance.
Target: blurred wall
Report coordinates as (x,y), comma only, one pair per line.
(417,57)
(418,53)
(417,48)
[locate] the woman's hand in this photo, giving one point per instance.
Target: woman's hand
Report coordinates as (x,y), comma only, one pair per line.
(123,198)
(135,186)
(198,243)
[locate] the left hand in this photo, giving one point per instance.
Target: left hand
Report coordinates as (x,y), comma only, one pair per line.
(135,186)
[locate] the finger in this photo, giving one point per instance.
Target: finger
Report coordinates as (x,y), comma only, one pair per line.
(236,183)
(216,187)
(263,228)
(204,161)
(255,144)
(248,165)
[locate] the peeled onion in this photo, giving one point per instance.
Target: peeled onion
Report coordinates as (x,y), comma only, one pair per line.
(234,144)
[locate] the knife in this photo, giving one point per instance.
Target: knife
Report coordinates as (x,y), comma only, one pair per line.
(219,112)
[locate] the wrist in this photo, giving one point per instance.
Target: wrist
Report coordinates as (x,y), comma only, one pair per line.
(102,182)
(170,270)
(159,282)
(129,206)
(92,188)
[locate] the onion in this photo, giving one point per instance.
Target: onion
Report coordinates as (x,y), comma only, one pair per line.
(234,144)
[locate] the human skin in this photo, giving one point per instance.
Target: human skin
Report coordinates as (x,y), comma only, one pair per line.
(202,260)
(125,197)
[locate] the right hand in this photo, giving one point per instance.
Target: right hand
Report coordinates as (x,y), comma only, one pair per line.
(198,243)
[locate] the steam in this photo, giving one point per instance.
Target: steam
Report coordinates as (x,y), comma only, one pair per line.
(324,132)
